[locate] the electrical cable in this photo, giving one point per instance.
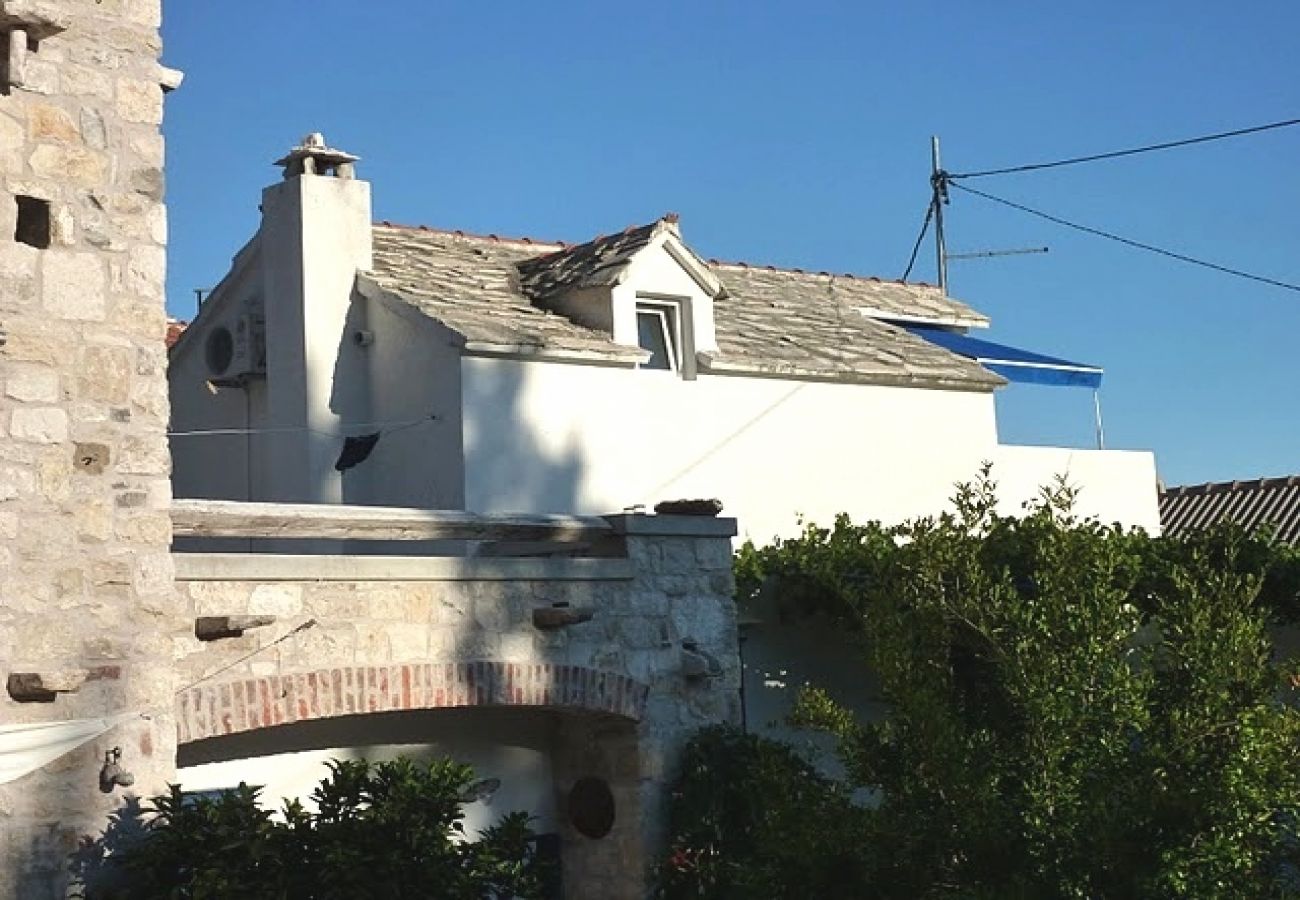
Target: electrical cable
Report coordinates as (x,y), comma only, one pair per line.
(925,226)
(1114,154)
(385,427)
(297,629)
(1129,242)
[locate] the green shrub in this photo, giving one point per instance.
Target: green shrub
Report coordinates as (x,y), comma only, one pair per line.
(389,830)
(1074,710)
(750,819)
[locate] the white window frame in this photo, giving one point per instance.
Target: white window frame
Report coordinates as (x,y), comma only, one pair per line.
(673,315)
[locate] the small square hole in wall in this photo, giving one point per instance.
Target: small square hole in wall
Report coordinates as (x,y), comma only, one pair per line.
(33,226)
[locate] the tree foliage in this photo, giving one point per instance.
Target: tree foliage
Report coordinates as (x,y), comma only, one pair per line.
(387,830)
(749,820)
(1075,710)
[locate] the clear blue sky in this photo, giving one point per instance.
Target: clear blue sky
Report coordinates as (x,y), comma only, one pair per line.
(798,134)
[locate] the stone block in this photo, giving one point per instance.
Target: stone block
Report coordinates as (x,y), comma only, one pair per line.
(40,77)
(139,100)
(408,643)
(93,131)
(77,165)
(396,601)
(330,601)
(46,122)
(32,384)
(73,287)
(141,455)
(86,81)
(146,527)
(89,457)
(145,272)
(284,600)
(93,521)
(40,425)
(105,374)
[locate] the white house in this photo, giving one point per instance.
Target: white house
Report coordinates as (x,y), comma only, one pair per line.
(343,361)
(516,375)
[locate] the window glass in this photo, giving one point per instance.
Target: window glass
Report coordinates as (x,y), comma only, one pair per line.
(655,335)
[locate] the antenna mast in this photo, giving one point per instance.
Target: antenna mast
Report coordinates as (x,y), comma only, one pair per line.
(939,185)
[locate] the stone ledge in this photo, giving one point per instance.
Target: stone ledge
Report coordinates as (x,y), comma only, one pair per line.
(672,526)
(276,567)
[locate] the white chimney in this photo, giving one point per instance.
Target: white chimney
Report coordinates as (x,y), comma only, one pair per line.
(315,236)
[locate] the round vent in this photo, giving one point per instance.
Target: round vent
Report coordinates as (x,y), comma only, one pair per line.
(219,350)
(591,807)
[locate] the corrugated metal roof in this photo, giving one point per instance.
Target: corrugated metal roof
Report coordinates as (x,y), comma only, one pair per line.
(1274,501)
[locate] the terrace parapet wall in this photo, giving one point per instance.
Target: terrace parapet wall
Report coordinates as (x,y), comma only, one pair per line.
(346,634)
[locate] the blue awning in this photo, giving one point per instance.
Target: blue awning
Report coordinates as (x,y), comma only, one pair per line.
(1012,363)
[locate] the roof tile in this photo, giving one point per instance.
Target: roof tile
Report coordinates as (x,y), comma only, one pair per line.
(768,320)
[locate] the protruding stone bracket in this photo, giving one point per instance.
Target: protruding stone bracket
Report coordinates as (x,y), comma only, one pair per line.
(560,615)
(24,23)
(214,628)
(169,79)
(698,664)
(44,687)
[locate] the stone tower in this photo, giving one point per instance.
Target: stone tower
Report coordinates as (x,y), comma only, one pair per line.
(86,590)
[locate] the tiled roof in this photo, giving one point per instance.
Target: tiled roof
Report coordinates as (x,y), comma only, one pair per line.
(1273,501)
(471,284)
(768,321)
(175,328)
(597,263)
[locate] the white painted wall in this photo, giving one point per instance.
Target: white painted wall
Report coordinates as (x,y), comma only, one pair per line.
(316,234)
(513,745)
(412,372)
(1114,485)
(554,437)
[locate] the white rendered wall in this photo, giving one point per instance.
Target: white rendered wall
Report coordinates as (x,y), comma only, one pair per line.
(316,234)
(558,438)
(511,745)
(412,369)
(210,465)
(552,437)
(1113,485)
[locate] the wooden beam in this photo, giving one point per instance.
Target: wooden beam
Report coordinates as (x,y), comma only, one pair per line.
(237,519)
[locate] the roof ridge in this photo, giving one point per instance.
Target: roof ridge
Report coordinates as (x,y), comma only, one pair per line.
(795,270)
(555,246)
(525,241)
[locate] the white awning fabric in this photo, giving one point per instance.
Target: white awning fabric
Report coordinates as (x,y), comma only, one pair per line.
(25,748)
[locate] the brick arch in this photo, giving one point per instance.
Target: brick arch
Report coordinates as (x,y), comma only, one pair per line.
(231,707)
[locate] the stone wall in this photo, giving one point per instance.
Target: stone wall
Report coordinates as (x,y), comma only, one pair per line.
(85,575)
(622,682)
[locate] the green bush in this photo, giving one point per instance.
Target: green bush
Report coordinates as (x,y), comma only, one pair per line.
(1074,710)
(750,819)
(389,830)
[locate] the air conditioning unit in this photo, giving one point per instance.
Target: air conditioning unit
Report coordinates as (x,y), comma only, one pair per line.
(234,357)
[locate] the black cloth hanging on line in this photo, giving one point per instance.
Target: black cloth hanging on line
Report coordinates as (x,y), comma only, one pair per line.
(356,450)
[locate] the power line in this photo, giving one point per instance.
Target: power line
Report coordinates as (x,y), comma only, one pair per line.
(390,427)
(1167,145)
(1128,241)
(925,226)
